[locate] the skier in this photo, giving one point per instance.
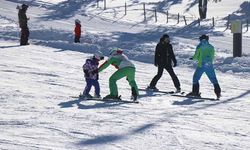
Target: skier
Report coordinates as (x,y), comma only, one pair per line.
(164,57)
(77,30)
(90,69)
(125,69)
(204,54)
(23,24)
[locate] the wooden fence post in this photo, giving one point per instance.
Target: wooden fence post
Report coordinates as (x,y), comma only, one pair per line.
(144,9)
(199,21)
(125,8)
(155,16)
(167,16)
(228,21)
(97,3)
(105,5)
(185,20)
(178,18)
(247,24)
(213,22)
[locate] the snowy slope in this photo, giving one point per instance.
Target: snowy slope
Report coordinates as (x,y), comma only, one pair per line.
(38,113)
(37,82)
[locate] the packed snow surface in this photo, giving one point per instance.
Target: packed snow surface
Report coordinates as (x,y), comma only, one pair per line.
(38,81)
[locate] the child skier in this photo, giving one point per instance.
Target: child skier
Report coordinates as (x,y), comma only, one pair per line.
(125,69)
(77,30)
(204,54)
(90,69)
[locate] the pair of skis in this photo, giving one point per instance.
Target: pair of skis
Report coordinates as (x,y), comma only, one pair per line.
(179,94)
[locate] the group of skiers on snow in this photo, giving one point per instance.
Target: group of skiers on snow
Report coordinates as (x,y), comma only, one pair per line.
(164,59)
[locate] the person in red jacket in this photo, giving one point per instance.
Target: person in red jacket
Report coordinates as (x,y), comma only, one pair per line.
(77,30)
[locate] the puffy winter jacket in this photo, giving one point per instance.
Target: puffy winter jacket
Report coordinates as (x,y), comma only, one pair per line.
(118,60)
(22,18)
(78,30)
(90,69)
(164,55)
(204,53)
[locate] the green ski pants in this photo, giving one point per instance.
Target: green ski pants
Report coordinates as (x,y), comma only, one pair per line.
(128,72)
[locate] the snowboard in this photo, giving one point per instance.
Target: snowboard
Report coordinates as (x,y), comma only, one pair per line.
(106,100)
(120,100)
(160,91)
(194,97)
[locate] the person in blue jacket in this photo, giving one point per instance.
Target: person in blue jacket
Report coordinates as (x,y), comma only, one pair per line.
(204,54)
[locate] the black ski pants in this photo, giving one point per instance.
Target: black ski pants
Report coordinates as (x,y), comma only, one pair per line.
(171,73)
(24,36)
(77,39)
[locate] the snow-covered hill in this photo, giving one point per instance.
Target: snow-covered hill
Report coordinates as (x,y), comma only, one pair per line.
(37,82)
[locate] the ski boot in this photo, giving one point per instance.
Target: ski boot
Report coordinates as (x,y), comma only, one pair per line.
(112,97)
(152,88)
(85,96)
(217,91)
(195,91)
(97,96)
(192,94)
(134,94)
(178,90)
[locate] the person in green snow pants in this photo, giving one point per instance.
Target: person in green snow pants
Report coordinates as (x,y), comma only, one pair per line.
(125,69)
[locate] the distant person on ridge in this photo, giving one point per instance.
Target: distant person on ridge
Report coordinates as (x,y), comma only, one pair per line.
(125,69)
(164,59)
(77,30)
(23,20)
(204,54)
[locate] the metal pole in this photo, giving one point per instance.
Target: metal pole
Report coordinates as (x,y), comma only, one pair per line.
(237,44)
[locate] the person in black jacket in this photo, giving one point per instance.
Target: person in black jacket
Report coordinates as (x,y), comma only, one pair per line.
(164,57)
(23,24)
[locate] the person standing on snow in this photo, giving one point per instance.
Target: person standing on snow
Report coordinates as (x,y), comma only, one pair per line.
(77,30)
(164,57)
(23,20)
(204,54)
(125,69)
(90,69)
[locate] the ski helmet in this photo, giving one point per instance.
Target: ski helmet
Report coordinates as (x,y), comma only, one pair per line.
(203,37)
(99,55)
(112,50)
(166,36)
(115,50)
(77,21)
